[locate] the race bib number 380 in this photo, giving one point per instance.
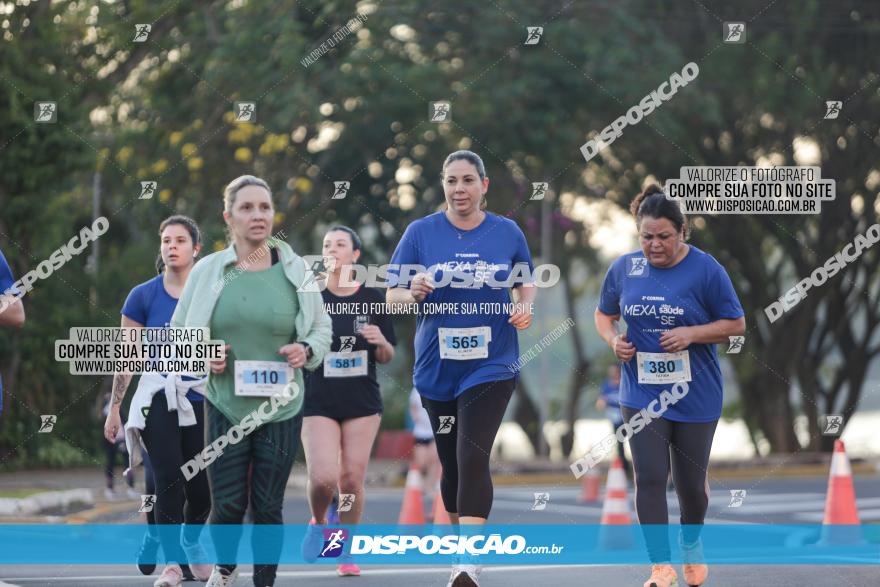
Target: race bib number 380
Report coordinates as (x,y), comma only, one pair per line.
(664,367)
(262,378)
(463,344)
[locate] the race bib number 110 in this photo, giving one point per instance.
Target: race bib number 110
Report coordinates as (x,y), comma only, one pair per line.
(262,378)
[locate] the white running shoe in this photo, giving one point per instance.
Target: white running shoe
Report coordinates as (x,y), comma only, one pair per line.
(196,558)
(172,576)
(220,579)
(465,576)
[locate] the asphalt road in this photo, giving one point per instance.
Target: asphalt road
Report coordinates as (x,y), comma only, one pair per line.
(767,500)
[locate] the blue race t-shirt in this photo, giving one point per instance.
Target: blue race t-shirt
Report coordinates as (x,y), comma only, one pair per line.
(610,393)
(149,304)
(652,300)
(6,281)
(467,261)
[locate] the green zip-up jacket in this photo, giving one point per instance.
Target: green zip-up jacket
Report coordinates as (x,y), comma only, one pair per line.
(205,282)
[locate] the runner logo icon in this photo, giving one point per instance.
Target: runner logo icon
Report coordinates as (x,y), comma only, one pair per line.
(736,344)
(832,109)
(734,32)
(340,190)
(541,500)
(141,32)
(346,500)
(47,423)
(539,190)
(440,112)
(534,33)
(638,267)
(445,424)
(736,498)
(245,111)
(45,112)
(148,189)
(147,503)
(346,344)
(334,542)
(833,424)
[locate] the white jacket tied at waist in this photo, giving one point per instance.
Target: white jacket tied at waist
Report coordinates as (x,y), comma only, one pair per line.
(175,388)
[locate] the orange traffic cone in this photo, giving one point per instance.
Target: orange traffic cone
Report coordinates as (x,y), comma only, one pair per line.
(412,510)
(840,503)
(441,516)
(590,486)
(615,510)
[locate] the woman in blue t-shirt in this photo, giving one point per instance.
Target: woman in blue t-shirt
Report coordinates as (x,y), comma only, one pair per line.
(677,302)
(466,331)
(11,308)
(169,444)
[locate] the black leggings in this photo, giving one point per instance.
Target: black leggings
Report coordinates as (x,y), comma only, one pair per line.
(170,446)
(149,485)
(686,446)
(466,485)
(258,468)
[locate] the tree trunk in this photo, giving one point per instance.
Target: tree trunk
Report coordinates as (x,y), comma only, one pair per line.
(771,408)
(580,373)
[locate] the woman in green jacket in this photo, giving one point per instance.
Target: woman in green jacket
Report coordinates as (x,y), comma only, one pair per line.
(252,296)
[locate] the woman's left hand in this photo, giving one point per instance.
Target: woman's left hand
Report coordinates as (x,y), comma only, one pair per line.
(521,316)
(677,339)
(295,353)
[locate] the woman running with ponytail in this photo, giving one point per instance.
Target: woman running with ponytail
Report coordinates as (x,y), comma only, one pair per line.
(173,429)
(462,364)
(677,302)
(343,405)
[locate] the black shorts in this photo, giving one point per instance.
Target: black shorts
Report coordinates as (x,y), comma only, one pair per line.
(335,406)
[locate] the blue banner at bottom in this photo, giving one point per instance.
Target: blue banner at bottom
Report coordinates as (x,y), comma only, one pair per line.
(397,544)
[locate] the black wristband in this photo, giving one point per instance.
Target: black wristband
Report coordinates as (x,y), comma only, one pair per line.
(309,352)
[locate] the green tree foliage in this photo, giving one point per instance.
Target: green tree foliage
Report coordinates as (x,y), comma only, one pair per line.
(162,110)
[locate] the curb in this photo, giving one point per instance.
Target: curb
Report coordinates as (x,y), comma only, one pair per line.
(567,478)
(817,470)
(39,502)
(104,509)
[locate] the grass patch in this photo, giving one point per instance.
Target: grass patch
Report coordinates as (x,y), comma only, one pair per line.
(19,492)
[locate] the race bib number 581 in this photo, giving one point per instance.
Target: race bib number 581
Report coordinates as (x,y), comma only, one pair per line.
(352,364)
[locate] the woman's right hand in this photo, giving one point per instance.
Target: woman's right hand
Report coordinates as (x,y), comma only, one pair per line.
(622,347)
(112,424)
(421,286)
(219,366)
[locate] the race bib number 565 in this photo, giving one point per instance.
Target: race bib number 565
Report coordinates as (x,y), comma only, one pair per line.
(463,344)
(663,367)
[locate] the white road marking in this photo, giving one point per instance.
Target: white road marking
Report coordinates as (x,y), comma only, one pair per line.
(331,570)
